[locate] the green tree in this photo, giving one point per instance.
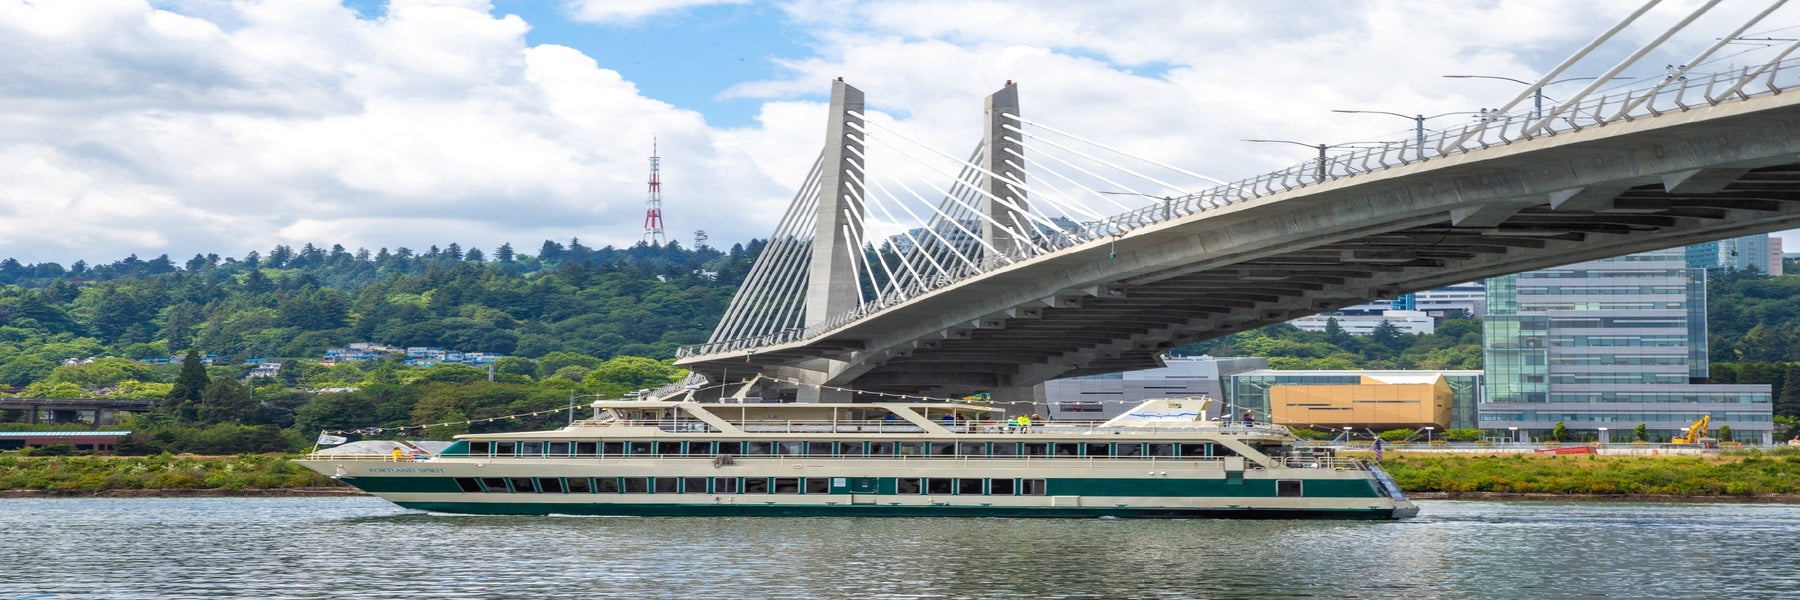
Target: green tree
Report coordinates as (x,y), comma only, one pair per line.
(1641,433)
(183,401)
(1560,432)
(226,401)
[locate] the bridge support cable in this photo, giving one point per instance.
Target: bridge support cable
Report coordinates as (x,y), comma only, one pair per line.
(1009,204)
(907,166)
(1556,72)
(1680,73)
(934,231)
(773,282)
(1122,168)
(1071,136)
(1607,77)
(1109,182)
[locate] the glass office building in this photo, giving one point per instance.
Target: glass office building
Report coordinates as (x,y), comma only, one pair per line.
(1608,344)
(1751,251)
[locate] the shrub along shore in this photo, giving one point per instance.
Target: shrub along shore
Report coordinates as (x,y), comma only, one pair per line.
(1772,476)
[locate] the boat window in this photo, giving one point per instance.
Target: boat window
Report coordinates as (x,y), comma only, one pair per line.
(1032,487)
(635,485)
(638,447)
(478,448)
(1223,451)
(1194,449)
(850,448)
(558,449)
(668,448)
(758,448)
(907,485)
(972,448)
(668,485)
(1160,449)
(725,485)
(731,447)
(943,449)
(531,448)
(787,485)
(1287,488)
(881,448)
(1035,448)
(468,485)
(700,448)
(1128,449)
(818,485)
(1001,487)
(523,485)
(1006,448)
(606,485)
(581,485)
(587,448)
(790,448)
(1066,448)
(693,485)
(550,485)
(612,448)
(494,485)
(939,485)
(1098,449)
(968,487)
(819,448)
(504,449)
(911,448)
(756,485)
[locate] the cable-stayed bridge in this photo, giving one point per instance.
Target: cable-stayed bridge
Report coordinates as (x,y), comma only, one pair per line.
(1045,255)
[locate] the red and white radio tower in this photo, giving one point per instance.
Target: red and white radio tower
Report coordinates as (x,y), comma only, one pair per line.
(653,225)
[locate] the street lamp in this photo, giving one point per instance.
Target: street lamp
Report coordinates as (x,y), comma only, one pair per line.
(1418,122)
(1428,429)
(1537,93)
(1346,434)
(1603,437)
(1514,434)
(1322,148)
(1167,201)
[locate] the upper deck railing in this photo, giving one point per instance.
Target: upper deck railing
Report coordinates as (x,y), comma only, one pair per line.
(1653,99)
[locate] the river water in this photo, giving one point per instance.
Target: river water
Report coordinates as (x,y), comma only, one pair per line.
(358,547)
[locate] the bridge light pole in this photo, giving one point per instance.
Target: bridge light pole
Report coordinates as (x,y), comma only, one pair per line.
(1167,201)
(1322,148)
(1537,93)
(1418,122)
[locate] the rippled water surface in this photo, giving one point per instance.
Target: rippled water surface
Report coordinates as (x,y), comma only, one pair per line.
(367,548)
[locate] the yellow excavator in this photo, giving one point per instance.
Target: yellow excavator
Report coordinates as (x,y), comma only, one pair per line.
(1695,431)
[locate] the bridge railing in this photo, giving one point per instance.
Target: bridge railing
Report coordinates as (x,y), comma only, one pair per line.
(1654,99)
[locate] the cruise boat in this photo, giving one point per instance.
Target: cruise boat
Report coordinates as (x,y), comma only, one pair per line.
(1162,459)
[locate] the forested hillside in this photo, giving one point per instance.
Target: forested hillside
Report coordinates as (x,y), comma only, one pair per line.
(573,321)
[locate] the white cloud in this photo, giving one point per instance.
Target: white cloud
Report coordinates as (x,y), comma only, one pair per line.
(633,11)
(233,126)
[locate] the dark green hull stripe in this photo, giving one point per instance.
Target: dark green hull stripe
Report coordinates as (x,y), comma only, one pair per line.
(745,510)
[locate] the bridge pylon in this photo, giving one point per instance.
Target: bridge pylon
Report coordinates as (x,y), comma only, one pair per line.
(831,276)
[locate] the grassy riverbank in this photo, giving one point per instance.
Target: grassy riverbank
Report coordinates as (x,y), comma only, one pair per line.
(1737,475)
(249,474)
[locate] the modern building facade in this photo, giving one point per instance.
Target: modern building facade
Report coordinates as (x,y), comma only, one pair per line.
(1109,395)
(1604,346)
(1751,251)
(1332,399)
(1458,301)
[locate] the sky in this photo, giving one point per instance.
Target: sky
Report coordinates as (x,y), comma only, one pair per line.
(179,127)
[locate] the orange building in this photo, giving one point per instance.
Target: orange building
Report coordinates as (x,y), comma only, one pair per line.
(1378,402)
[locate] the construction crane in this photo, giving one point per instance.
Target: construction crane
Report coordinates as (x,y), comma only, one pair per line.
(1694,432)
